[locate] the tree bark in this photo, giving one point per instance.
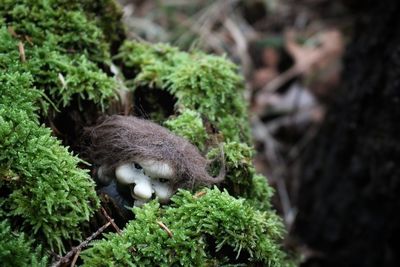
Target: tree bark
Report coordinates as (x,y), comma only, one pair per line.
(349,195)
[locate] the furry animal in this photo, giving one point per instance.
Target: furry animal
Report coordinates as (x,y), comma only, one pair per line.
(118,140)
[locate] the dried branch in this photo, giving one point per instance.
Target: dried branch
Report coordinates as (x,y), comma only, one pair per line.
(75,250)
(111,220)
(75,258)
(21,51)
(200,194)
(165,228)
(241,45)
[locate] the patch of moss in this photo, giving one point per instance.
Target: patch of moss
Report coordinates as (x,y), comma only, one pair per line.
(190,126)
(50,52)
(61,76)
(46,189)
(64,22)
(208,84)
(16,249)
(193,221)
(242,179)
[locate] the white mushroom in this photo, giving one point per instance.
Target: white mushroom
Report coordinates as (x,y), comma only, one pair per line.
(128,174)
(162,190)
(143,186)
(157,169)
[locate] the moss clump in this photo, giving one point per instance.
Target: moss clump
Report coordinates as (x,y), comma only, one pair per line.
(202,227)
(242,179)
(207,84)
(17,250)
(64,22)
(46,189)
(61,76)
(51,51)
(190,126)
(67,46)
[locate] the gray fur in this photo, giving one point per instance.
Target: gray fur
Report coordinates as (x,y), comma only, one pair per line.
(121,139)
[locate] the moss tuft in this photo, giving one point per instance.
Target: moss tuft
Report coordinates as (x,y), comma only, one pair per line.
(47,190)
(208,84)
(65,52)
(67,46)
(194,220)
(60,76)
(190,126)
(17,250)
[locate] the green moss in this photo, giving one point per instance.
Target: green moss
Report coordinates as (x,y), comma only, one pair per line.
(208,84)
(17,250)
(259,193)
(242,179)
(69,28)
(107,14)
(202,227)
(190,126)
(65,50)
(47,190)
(61,76)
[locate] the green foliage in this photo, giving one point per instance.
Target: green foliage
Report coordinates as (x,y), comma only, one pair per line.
(207,84)
(107,15)
(202,227)
(17,250)
(190,126)
(47,190)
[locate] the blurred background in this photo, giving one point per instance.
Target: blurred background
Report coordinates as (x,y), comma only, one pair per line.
(322,104)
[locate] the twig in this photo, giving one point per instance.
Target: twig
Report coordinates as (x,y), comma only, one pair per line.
(287,207)
(303,143)
(165,228)
(84,244)
(110,220)
(12,32)
(75,258)
(28,39)
(241,44)
(277,82)
(21,51)
(200,194)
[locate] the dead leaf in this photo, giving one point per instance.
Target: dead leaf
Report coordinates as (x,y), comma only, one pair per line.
(307,59)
